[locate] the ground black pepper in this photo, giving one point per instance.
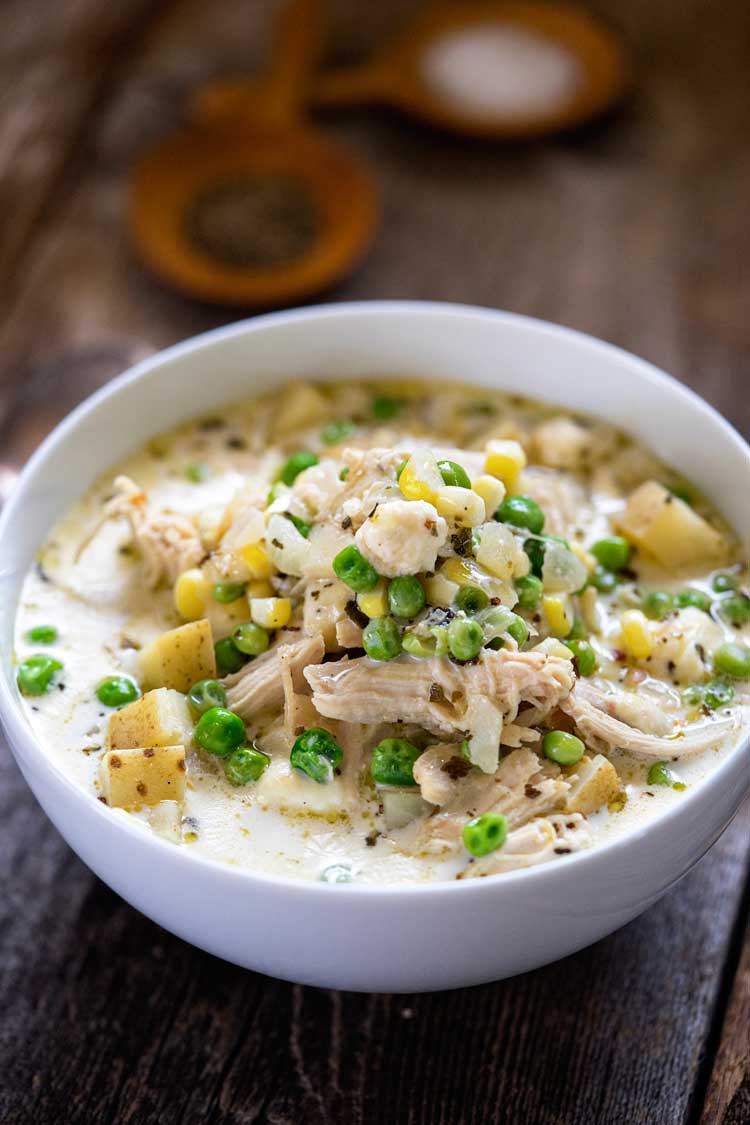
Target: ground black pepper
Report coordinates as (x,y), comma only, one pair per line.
(254,222)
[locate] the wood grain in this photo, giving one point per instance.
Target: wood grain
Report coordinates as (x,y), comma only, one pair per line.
(637,231)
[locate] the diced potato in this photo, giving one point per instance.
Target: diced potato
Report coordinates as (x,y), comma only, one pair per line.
(159,718)
(143,776)
(596,784)
(667,528)
(180,657)
(300,405)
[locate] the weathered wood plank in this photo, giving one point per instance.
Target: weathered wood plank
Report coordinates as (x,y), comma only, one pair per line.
(727,1100)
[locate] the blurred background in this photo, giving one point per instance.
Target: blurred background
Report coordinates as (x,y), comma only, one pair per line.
(634,227)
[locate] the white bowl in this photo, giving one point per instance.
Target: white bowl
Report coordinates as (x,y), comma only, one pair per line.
(404,938)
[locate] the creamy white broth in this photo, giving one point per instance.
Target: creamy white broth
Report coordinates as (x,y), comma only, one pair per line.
(105,615)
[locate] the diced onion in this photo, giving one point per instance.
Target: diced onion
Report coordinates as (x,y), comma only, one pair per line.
(562,572)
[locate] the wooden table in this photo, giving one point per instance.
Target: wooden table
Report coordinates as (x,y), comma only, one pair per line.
(637,231)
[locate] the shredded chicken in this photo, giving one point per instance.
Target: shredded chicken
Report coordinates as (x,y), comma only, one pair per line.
(260,685)
(521,789)
(561,501)
(595,714)
(437,693)
(168,542)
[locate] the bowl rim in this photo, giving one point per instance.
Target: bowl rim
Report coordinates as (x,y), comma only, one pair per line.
(11,705)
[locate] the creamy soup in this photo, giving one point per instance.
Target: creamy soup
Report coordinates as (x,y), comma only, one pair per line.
(388,632)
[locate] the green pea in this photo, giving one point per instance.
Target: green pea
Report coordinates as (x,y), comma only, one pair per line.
(245,764)
(470,599)
(384,407)
(661,774)
(405,596)
(521,511)
(529,590)
(302,526)
(381,638)
(584,657)
(116,691)
(465,638)
(335,432)
(717,693)
(733,660)
(393,762)
(250,638)
(227,592)
(518,630)
(352,568)
(724,583)
(344,473)
(196,472)
(220,731)
(316,753)
(657,604)
(734,608)
(563,748)
(296,464)
(485,834)
(603,580)
(42,635)
(35,673)
(206,694)
(454,474)
(228,657)
(693,598)
(613,552)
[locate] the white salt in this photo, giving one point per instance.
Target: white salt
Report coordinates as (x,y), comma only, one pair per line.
(501,71)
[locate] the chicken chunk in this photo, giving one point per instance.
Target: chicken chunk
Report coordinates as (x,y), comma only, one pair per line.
(594,713)
(259,686)
(402,537)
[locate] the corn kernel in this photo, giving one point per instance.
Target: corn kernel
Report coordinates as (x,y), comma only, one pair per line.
(271,613)
(505,460)
(420,477)
(636,634)
(191,593)
(375,602)
(492,492)
(440,590)
(259,588)
(558,615)
(255,558)
(456,570)
(460,506)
